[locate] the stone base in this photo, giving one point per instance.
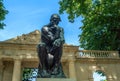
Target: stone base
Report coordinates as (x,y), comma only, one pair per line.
(54,79)
(57,72)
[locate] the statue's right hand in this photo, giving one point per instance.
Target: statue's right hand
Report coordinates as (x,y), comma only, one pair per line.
(57,43)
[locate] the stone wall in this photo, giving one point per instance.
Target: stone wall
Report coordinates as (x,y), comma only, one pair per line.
(7,71)
(26,56)
(20,52)
(79,68)
(86,67)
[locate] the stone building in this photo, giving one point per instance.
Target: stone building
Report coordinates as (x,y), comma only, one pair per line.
(20,52)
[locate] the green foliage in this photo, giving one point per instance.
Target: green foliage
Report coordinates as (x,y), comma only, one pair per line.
(100,72)
(3,12)
(27,73)
(101,19)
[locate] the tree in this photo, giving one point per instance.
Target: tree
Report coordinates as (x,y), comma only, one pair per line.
(3,12)
(101,22)
(29,74)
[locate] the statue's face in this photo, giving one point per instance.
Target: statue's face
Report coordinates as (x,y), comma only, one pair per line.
(55,21)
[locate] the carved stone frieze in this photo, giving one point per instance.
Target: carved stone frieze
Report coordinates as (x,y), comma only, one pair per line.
(30,38)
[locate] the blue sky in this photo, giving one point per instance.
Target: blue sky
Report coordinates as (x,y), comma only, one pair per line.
(28,15)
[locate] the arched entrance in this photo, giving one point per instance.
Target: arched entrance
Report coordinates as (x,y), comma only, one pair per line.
(99,75)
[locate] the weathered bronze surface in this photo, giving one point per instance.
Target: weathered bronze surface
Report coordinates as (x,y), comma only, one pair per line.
(50,49)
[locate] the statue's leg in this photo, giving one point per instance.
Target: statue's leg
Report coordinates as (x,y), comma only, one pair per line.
(56,60)
(42,54)
(57,55)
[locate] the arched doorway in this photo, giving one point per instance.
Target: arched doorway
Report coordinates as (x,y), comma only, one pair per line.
(99,75)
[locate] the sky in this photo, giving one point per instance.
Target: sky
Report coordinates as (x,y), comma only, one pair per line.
(26,16)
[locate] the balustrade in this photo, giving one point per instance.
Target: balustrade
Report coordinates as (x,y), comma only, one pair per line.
(97,54)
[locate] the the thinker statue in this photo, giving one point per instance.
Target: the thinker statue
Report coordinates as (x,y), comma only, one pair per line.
(50,49)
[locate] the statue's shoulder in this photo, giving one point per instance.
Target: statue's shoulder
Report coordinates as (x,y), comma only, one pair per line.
(44,27)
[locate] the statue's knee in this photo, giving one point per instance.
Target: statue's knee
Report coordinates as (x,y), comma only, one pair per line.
(41,46)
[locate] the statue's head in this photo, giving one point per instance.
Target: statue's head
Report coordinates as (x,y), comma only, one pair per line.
(55,18)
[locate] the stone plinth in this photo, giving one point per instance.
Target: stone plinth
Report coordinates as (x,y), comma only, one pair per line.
(55,79)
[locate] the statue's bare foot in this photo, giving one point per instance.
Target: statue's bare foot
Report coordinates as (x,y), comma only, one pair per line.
(55,71)
(45,74)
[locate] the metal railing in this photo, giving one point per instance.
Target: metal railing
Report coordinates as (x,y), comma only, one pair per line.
(97,54)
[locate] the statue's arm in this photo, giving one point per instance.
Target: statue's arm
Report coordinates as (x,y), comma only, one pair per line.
(59,41)
(46,34)
(62,36)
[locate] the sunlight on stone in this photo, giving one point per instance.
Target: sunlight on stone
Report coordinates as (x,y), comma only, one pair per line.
(29,55)
(114,53)
(93,67)
(82,69)
(114,76)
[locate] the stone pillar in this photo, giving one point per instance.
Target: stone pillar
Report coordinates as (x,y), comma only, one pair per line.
(1,70)
(72,73)
(17,70)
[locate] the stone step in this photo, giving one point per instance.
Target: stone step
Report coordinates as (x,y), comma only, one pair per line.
(55,79)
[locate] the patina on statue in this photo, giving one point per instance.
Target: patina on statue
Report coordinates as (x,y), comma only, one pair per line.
(50,49)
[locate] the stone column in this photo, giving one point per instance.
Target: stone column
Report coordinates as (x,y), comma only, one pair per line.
(72,73)
(17,70)
(1,70)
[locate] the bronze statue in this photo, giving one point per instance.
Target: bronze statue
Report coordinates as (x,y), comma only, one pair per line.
(50,49)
